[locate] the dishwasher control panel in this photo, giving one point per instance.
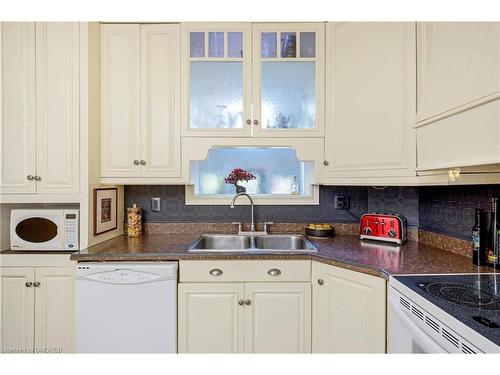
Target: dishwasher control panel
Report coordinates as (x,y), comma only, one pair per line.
(124,276)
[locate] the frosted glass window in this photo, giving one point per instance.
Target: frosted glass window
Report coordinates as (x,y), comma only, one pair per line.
(308,44)
(288,95)
(215,44)
(268,43)
(197,44)
(288,45)
(277,171)
(216,94)
(235,44)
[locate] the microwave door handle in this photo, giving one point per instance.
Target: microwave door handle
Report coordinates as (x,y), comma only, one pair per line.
(423,340)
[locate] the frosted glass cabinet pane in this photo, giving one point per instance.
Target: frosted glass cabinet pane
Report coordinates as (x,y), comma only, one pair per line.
(277,171)
(197,44)
(308,44)
(268,43)
(235,44)
(216,95)
(215,44)
(288,95)
(288,45)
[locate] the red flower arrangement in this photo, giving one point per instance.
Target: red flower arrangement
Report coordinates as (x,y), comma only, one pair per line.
(238,174)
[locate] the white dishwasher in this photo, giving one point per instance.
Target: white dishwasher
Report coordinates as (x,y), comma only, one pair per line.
(126,307)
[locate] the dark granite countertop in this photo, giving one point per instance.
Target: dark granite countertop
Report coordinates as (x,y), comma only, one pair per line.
(344,251)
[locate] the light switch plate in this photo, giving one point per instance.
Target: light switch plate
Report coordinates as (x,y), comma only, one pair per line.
(155,204)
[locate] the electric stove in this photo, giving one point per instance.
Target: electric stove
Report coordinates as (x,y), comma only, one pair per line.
(453,308)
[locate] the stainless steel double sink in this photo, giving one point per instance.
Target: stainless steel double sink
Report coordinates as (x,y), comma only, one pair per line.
(252,243)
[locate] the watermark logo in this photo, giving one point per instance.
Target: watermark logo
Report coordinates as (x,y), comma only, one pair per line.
(36,349)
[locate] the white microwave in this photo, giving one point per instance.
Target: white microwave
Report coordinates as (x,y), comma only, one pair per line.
(44,229)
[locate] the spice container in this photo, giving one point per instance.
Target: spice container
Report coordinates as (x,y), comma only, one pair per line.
(134,221)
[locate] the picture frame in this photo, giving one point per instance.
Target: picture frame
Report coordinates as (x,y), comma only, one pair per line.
(105,210)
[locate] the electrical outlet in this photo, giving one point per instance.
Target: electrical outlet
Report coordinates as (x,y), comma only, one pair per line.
(341,202)
(155,204)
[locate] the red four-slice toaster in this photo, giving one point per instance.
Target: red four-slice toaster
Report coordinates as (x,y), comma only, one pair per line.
(383,227)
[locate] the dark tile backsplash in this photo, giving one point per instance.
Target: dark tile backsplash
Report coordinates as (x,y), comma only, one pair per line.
(443,209)
(450,209)
(174,209)
(402,200)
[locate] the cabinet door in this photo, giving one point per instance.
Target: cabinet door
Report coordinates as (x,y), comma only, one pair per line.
(57,107)
(288,79)
(160,100)
(370,100)
(278,319)
(54,309)
(217,79)
(120,100)
(210,318)
(17,309)
(17,107)
(457,66)
(348,311)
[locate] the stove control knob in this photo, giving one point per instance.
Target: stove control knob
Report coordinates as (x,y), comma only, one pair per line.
(391,233)
(367,231)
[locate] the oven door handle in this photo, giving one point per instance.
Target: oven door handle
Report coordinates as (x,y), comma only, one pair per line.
(417,334)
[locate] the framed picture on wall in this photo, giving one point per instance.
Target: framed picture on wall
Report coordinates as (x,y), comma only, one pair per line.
(105,210)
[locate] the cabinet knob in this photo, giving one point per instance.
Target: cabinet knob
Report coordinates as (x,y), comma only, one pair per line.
(326,162)
(143,162)
(256,122)
(274,272)
(248,121)
(136,162)
(215,272)
(29,284)
(30,177)
(248,302)
(320,281)
(241,302)
(36,284)
(37,178)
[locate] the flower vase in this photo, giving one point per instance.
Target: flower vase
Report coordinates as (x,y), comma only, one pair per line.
(240,189)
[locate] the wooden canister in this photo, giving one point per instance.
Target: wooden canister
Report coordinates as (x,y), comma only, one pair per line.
(134,221)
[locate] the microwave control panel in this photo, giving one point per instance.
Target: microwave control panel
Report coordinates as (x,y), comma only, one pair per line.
(71,230)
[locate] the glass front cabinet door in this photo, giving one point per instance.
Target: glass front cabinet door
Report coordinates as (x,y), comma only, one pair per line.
(217,79)
(263,80)
(288,76)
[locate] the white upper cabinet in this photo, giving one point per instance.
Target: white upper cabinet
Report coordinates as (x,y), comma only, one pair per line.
(120,100)
(263,80)
(57,107)
(40,105)
(17,107)
(217,86)
(140,100)
(458,104)
(457,66)
(370,102)
(160,100)
(288,79)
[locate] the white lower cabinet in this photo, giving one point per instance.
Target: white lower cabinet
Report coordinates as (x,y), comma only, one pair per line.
(349,311)
(210,319)
(244,318)
(278,318)
(37,313)
(17,309)
(244,307)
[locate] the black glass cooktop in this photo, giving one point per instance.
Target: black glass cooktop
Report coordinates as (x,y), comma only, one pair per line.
(472,299)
